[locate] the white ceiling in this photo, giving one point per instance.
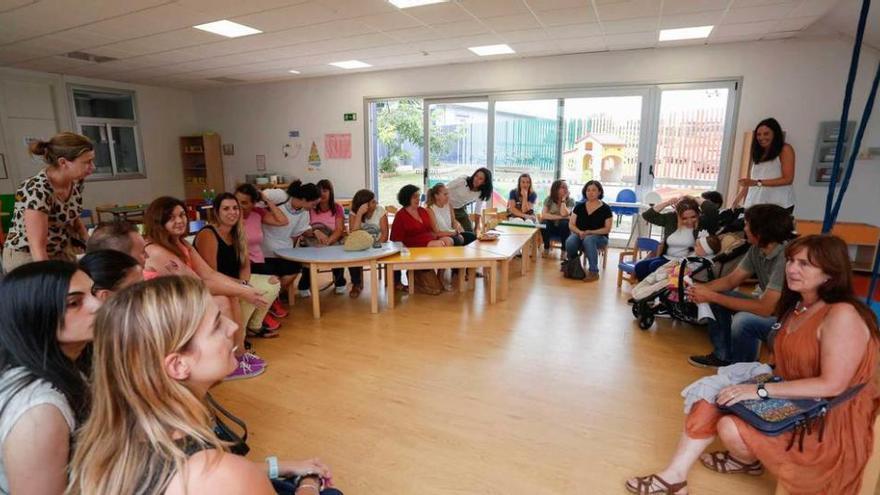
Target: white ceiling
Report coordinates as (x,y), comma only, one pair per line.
(155,43)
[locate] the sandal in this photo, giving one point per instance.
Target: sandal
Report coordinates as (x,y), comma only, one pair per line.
(355,291)
(262,333)
(724,463)
(646,485)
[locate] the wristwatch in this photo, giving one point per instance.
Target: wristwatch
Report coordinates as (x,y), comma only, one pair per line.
(759,183)
(762,392)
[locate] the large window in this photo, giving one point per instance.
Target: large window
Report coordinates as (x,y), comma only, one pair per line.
(396,144)
(526,135)
(109,118)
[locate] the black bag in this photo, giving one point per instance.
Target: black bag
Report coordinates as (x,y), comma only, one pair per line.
(572,268)
(224,432)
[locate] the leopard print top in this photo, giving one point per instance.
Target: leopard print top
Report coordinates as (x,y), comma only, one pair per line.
(37,194)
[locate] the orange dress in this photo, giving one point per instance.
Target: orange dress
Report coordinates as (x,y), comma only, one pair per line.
(832,467)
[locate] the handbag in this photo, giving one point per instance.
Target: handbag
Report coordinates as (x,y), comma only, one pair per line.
(572,268)
(238,441)
(428,282)
(774,416)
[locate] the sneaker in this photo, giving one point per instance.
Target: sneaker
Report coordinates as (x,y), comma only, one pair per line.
(339,289)
(707,361)
(245,370)
(271,323)
(278,310)
(304,293)
(254,360)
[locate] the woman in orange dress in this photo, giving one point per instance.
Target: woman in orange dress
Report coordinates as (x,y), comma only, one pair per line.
(828,342)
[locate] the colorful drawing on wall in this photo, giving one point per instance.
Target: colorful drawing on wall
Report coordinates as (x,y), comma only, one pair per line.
(314,158)
(337,146)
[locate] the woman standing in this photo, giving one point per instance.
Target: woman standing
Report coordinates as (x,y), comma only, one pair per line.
(46,315)
(772,173)
(365,215)
(466,190)
(159,347)
(45,221)
(224,246)
(444,218)
(521,201)
(827,344)
(589,224)
(554,216)
(254,218)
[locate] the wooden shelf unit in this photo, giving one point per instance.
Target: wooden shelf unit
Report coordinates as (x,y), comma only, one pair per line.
(862,237)
(202,163)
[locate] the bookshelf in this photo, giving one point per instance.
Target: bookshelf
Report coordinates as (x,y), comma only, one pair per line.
(202,164)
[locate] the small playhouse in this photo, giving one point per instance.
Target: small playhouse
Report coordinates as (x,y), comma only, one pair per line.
(594,156)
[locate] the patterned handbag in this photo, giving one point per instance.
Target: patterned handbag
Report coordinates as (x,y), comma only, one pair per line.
(774,417)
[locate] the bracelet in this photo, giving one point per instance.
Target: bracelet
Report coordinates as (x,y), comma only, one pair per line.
(273,467)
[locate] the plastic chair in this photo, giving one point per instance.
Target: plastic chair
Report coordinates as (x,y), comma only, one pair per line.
(628,268)
(88,215)
(625,196)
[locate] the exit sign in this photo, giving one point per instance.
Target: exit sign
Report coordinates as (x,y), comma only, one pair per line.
(349,117)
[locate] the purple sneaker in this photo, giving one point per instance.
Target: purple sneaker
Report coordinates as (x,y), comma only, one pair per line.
(245,370)
(255,361)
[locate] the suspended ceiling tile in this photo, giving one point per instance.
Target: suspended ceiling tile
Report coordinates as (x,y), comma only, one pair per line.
(359,8)
(170,40)
(674,7)
(544,5)
(461,28)
(66,42)
(575,31)
(148,22)
(439,13)
(758,14)
(689,20)
(754,29)
(630,9)
(227,9)
(821,7)
(524,36)
(512,22)
(289,17)
(494,8)
(630,26)
(585,44)
(795,23)
(629,41)
(390,21)
(564,17)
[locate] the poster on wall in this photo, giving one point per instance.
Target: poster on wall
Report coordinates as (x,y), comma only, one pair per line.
(337,146)
(314,158)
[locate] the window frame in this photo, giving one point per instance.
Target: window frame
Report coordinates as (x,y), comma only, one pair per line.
(108,124)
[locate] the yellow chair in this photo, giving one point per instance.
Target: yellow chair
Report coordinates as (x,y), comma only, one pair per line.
(872,469)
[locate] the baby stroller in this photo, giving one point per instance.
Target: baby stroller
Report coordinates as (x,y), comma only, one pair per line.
(666,295)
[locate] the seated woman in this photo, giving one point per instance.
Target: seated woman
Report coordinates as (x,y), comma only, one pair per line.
(444,218)
(253,219)
(224,247)
(166,225)
(327,220)
(521,201)
(827,344)
(680,228)
(554,216)
(46,314)
(365,215)
(590,223)
(110,271)
(414,228)
(159,346)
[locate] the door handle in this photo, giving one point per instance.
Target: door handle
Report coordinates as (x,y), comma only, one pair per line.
(639,175)
(651,170)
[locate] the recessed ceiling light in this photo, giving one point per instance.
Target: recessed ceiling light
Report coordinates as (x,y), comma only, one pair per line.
(294,71)
(689,33)
(491,50)
(405,4)
(350,64)
(228,28)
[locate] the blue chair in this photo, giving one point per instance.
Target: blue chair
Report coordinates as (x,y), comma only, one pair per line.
(89,217)
(625,196)
(643,244)
(196,225)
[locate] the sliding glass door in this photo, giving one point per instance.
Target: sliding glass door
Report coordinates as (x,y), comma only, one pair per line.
(457,133)
(526,135)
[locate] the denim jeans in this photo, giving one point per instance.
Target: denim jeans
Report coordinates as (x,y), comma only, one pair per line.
(735,335)
(555,229)
(590,245)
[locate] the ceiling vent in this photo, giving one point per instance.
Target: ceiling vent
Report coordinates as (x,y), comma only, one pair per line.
(226,80)
(90,57)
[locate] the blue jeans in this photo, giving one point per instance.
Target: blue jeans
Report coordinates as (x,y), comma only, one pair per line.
(555,229)
(648,266)
(590,245)
(735,335)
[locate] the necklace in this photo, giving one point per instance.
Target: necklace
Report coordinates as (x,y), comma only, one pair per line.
(800,309)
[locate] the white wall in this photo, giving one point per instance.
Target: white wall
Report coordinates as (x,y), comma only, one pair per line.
(36,104)
(800,82)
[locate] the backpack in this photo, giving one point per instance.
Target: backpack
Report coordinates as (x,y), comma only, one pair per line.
(572,268)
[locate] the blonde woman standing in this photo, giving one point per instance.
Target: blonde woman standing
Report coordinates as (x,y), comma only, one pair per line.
(159,346)
(45,220)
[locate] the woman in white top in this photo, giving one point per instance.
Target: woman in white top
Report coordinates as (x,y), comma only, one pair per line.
(772,173)
(443,217)
(466,190)
(365,215)
(46,314)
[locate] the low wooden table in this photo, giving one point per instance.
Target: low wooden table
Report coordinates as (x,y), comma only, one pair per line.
(512,241)
(122,213)
(437,258)
(336,257)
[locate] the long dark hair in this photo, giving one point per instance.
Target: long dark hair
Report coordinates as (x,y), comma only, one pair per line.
(33,300)
(361,197)
(157,214)
(759,154)
(107,267)
(531,189)
(248,190)
(486,188)
(325,184)
(829,253)
(305,192)
(554,190)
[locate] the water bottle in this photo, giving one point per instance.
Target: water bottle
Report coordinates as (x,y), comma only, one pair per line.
(404,252)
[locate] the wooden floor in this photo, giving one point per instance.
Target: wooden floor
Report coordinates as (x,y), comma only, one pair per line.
(554,391)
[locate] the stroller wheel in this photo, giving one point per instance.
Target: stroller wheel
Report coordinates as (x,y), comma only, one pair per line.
(646,321)
(635,310)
